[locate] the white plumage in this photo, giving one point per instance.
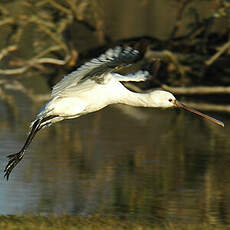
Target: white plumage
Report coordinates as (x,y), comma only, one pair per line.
(93,86)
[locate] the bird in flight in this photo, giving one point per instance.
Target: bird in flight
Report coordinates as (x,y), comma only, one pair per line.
(92,87)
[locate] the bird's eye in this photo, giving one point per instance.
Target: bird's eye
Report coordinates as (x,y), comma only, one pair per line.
(170,100)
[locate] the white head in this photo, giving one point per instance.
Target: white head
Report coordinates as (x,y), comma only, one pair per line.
(165,99)
(162,99)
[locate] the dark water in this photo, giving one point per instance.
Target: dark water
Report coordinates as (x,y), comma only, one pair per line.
(162,165)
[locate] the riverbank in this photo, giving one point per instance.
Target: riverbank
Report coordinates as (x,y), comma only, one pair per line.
(32,222)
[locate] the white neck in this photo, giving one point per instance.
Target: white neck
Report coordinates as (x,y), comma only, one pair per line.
(137,99)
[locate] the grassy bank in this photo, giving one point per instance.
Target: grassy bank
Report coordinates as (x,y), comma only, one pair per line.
(90,223)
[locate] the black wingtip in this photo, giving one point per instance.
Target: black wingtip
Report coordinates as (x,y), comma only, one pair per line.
(13,161)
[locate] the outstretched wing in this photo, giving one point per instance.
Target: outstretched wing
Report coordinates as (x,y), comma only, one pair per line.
(97,67)
(140,75)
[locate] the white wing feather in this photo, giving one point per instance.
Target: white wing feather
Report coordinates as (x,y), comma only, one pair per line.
(140,75)
(96,68)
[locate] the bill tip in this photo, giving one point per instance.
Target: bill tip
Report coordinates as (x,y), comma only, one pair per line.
(220,123)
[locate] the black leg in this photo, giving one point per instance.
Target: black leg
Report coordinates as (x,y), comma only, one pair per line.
(15,158)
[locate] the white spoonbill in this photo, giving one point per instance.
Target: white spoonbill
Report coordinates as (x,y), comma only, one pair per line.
(93,86)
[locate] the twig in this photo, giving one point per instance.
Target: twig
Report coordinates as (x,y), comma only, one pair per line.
(40,21)
(15,71)
(47,51)
(58,6)
(54,37)
(6,50)
(5,21)
(209,107)
(197,90)
(78,8)
(216,55)
(50,61)
(34,61)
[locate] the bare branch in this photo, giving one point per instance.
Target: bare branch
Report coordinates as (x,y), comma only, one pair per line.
(197,90)
(6,21)
(56,5)
(49,61)
(14,71)
(222,49)
(7,50)
(34,61)
(40,21)
(78,9)
(209,107)
(54,37)
(47,51)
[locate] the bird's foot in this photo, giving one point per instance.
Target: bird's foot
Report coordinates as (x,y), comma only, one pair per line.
(13,161)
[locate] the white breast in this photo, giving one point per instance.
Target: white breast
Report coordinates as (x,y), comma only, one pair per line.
(89,97)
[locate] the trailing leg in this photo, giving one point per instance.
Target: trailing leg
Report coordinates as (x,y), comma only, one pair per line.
(14,159)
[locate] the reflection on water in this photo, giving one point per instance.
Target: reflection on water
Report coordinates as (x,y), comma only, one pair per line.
(164,165)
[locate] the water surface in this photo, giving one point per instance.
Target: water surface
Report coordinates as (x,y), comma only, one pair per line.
(162,165)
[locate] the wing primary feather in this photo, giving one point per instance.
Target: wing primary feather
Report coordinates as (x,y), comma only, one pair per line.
(97,67)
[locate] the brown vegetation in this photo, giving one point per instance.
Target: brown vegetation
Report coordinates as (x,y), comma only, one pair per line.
(88,223)
(41,34)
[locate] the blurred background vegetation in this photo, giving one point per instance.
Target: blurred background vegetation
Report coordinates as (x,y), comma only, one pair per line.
(98,163)
(189,38)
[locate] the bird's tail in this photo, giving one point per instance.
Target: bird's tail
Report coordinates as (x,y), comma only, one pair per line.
(14,159)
